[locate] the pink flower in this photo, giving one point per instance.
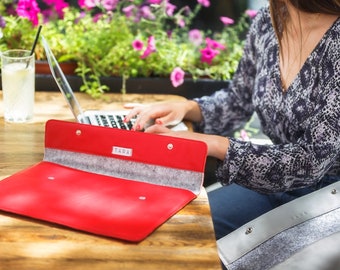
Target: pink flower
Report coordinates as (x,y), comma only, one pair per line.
(146,53)
(180,22)
(56,7)
(208,54)
(88,4)
(28,9)
(244,135)
(106,4)
(227,20)
(214,44)
(97,17)
(152,43)
(151,47)
(204,3)
(155,1)
(195,37)
(186,10)
(81,3)
(2,24)
(146,13)
(251,13)
(170,9)
(109,4)
(137,45)
(129,10)
(177,77)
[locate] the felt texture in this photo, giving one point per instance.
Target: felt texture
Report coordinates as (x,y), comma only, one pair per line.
(283,245)
(128,170)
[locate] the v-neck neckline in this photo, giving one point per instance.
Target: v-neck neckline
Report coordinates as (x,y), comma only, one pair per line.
(315,49)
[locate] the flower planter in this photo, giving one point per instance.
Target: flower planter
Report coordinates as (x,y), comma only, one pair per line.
(42,67)
(189,89)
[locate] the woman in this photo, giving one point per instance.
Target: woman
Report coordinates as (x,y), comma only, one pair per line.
(289,75)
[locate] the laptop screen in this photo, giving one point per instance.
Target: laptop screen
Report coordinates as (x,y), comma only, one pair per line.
(61,81)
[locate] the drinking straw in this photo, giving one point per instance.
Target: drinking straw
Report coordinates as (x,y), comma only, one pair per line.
(35,42)
(36,39)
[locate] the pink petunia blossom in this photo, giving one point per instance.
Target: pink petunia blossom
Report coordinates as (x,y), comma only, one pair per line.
(109,5)
(170,9)
(81,3)
(55,7)
(244,135)
(130,10)
(251,13)
(195,37)
(81,16)
(151,47)
(2,24)
(137,44)
(97,17)
(28,9)
(204,3)
(177,77)
(208,54)
(214,44)
(227,20)
(155,2)
(146,53)
(180,21)
(88,4)
(146,13)
(152,43)
(187,10)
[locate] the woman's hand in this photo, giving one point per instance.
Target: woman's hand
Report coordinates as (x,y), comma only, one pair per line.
(155,119)
(165,114)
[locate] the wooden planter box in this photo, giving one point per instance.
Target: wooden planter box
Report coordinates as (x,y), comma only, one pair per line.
(190,89)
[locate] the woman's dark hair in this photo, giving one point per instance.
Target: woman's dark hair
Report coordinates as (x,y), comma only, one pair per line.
(280,14)
(317,6)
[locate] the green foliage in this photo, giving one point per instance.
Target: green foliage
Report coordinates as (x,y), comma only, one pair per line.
(104,47)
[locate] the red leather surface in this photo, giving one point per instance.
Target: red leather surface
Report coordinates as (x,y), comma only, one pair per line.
(93,203)
(147,148)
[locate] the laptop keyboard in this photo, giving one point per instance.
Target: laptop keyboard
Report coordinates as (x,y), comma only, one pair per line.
(115,121)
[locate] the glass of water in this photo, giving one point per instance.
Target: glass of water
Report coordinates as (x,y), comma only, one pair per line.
(18,85)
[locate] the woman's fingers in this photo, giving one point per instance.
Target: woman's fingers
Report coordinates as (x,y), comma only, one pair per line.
(158,129)
(160,114)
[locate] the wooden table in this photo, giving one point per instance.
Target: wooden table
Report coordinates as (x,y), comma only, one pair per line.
(186,241)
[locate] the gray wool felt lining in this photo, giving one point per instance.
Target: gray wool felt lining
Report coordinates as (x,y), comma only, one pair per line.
(129,170)
(276,236)
(285,244)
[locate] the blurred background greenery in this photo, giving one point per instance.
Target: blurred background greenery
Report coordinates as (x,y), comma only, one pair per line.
(208,18)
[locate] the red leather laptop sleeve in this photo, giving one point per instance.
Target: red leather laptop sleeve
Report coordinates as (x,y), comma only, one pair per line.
(106,181)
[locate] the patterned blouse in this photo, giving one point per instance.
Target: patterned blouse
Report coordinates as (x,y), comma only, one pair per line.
(302,122)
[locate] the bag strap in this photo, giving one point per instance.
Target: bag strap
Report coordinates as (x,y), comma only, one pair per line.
(254,233)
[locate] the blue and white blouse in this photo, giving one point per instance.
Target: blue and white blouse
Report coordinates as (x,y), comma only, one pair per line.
(303,122)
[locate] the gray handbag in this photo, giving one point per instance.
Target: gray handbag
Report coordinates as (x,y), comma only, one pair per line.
(301,234)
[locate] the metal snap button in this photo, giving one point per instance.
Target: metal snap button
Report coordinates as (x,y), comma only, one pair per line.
(249,230)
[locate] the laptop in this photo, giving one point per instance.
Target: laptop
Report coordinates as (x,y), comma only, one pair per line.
(113,119)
